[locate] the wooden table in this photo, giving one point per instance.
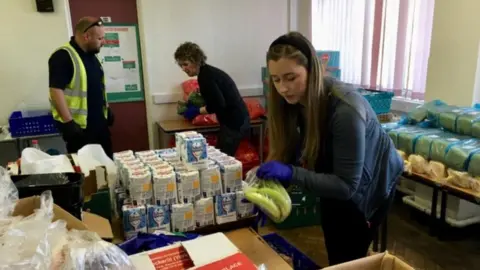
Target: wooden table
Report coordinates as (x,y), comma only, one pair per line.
(168,128)
(438,225)
(256,249)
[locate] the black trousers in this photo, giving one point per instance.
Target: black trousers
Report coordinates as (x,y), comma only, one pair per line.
(229,139)
(347,234)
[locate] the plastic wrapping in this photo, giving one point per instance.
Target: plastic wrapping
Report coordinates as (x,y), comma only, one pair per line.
(418,164)
(86,250)
(463,180)
(420,113)
(8,194)
(433,113)
(458,156)
(269,196)
(30,242)
(440,146)
(449,119)
(465,122)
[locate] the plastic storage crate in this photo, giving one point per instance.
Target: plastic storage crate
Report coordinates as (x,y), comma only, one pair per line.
(301,216)
(299,260)
(379,100)
(66,189)
(29,123)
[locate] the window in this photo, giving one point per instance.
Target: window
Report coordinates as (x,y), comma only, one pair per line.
(383,44)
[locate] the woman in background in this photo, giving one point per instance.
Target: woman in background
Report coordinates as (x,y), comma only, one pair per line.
(221,97)
(346,158)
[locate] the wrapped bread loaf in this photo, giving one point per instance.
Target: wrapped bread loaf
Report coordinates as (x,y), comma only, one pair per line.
(463,180)
(465,122)
(436,170)
(419,164)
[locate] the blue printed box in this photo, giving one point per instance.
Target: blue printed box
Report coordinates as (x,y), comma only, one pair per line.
(330,58)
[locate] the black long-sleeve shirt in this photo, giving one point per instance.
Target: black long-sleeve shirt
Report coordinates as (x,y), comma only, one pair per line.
(222,97)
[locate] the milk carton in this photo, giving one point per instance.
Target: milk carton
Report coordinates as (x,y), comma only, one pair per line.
(204,214)
(140,186)
(244,209)
(165,188)
(192,149)
(122,155)
(151,160)
(211,181)
(158,218)
(231,175)
(188,186)
(225,208)
(162,167)
(169,154)
(183,218)
(144,154)
(134,220)
(181,136)
(126,167)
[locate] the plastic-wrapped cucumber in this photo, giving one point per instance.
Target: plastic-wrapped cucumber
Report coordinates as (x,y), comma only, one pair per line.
(423,144)
(433,114)
(440,146)
(448,119)
(407,139)
(457,156)
(476,129)
(181,107)
(394,133)
(473,165)
(420,113)
(466,121)
(390,126)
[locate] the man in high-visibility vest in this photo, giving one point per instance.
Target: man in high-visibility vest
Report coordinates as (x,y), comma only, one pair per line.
(77,89)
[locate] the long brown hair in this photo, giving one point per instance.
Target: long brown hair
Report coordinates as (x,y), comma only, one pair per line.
(283,118)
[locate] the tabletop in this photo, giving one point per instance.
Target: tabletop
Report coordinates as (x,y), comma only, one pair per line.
(184,125)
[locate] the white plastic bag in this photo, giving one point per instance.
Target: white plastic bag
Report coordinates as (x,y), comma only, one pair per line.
(34,161)
(8,194)
(30,242)
(86,250)
(91,156)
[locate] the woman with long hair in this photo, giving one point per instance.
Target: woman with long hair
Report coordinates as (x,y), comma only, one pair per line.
(325,138)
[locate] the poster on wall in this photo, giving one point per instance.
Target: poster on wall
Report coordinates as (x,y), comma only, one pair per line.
(122,63)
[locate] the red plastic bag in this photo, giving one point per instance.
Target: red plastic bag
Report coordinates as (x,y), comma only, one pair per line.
(248,155)
(205,120)
(188,87)
(255,109)
(211,139)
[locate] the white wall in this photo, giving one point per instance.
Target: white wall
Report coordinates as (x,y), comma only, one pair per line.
(454,52)
(28,39)
(234,34)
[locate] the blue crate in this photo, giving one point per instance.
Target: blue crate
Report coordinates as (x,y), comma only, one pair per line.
(380,101)
(30,123)
(281,246)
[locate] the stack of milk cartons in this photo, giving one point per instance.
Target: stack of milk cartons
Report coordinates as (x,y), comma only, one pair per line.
(164,191)
(228,205)
(231,170)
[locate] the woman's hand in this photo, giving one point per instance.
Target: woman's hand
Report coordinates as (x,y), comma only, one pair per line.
(276,170)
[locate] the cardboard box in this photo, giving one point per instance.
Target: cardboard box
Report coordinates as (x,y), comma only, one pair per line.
(94,223)
(381,261)
(213,251)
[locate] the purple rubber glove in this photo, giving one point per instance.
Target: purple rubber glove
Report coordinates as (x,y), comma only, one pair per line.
(191,112)
(276,170)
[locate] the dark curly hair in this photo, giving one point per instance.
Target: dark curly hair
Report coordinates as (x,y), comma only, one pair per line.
(190,51)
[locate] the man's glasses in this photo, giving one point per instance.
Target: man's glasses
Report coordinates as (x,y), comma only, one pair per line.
(99,22)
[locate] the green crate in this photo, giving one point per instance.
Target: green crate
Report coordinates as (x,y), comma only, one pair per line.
(300,198)
(301,216)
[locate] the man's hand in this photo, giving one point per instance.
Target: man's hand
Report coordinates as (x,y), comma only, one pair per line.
(72,131)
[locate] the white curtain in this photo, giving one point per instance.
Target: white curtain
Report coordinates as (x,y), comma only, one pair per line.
(383,44)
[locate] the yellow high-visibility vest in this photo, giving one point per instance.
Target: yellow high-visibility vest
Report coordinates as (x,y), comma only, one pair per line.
(76,91)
